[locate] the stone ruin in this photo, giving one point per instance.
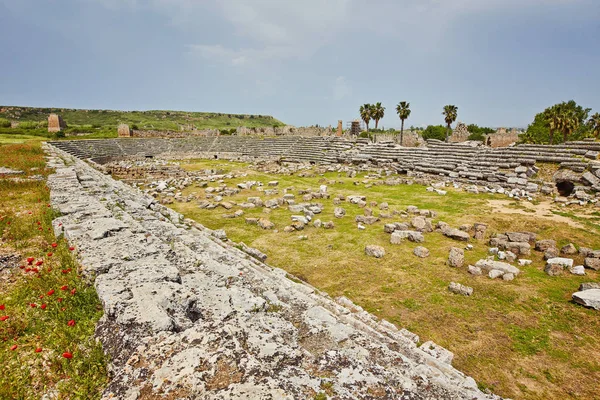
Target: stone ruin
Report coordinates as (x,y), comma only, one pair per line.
(188,314)
(124,131)
(339,131)
(55,123)
(287,130)
(501,138)
(355,128)
(460,133)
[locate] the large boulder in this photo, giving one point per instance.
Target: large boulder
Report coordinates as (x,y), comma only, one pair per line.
(555,266)
(519,248)
(489,265)
(456,258)
(588,298)
(543,245)
(421,252)
(398,236)
(592,263)
(456,234)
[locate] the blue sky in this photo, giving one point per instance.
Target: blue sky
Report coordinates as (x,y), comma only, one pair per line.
(305,62)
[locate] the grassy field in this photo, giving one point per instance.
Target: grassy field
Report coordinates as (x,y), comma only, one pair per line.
(47,312)
(158,120)
(523,339)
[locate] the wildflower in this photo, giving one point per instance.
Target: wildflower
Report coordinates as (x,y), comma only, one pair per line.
(2,307)
(30,260)
(60,299)
(50,292)
(73,291)
(71,322)
(43,306)
(33,305)
(71,248)
(54,245)
(38,350)
(49,254)
(13,347)
(66,354)
(41,296)
(64,287)
(4,318)
(39,262)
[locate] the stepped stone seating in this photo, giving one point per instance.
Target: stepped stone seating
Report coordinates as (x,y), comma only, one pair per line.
(453,160)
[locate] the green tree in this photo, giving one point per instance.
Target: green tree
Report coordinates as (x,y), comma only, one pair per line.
(594,124)
(450,114)
(434,132)
(568,118)
(365,113)
(377,113)
(478,132)
(403,110)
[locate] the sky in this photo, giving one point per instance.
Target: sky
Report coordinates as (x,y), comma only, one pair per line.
(304,62)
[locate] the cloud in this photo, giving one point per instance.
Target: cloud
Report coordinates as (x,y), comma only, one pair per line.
(341,88)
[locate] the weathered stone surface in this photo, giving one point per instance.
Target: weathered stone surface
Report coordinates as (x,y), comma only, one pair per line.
(398,236)
(421,252)
(374,251)
(569,249)
(473,270)
(488,265)
(495,273)
(577,270)
(339,212)
(190,316)
(588,286)
(265,223)
(368,220)
(457,288)
(555,266)
(457,234)
(479,229)
(543,245)
(519,248)
(520,236)
(588,298)
(456,258)
(592,263)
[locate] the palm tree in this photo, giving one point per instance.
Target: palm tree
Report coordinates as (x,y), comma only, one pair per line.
(553,120)
(403,110)
(366,111)
(594,123)
(377,112)
(570,123)
(450,114)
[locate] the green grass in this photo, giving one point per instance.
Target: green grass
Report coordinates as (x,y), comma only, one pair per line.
(503,335)
(26,230)
(155,119)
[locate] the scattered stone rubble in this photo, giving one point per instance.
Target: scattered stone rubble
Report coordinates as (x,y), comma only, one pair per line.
(188,315)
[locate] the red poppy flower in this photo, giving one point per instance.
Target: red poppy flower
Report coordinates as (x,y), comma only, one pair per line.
(50,292)
(49,254)
(4,318)
(60,299)
(39,223)
(22,266)
(49,269)
(35,270)
(63,309)
(27,269)
(64,287)
(54,245)
(39,262)
(2,307)
(71,322)
(43,306)
(30,260)
(38,350)
(13,347)
(33,305)
(64,271)
(66,354)
(71,248)
(41,296)
(73,291)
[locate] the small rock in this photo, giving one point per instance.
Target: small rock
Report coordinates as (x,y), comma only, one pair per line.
(592,263)
(473,270)
(456,257)
(265,223)
(543,245)
(421,252)
(569,249)
(588,286)
(493,274)
(508,277)
(457,288)
(524,263)
(374,251)
(577,270)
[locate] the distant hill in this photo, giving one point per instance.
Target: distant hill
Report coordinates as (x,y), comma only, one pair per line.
(155,119)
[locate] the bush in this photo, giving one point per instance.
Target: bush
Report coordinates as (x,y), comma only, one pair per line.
(135,127)
(435,132)
(30,125)
(4,123)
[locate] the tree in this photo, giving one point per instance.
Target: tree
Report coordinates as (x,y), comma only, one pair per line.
(365,113)
(478,132)
(403,110)
(434,132)
(569,118)
(450,114)
(594,125)
(377,112)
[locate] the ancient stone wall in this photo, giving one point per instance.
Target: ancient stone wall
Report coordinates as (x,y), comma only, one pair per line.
(55,123)
(460,133)
(175,134)
(284,131)
(124,131)
(501,138)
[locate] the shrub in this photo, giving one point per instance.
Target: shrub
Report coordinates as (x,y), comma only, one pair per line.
(4,123)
